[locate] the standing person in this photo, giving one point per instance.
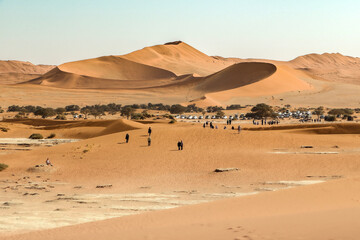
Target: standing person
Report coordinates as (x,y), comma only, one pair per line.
(239,129)
(181,145)
(127,138)
(149,141)
(204,125)
(149,131)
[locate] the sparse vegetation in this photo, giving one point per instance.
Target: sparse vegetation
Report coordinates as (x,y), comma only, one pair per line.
(4,129)
(36,136)
(3,166)
(52,135)
(319,111)
(172,121)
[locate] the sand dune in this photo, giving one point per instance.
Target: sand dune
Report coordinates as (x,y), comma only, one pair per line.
(235,76)
(12,72)
(331,67)
(178,73)
(179,58)
(77,129)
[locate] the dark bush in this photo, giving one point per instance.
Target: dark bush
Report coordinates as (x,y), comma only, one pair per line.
(330,118)
(3,166)
(172,121)
(52,135)
(71,108)
(36,136)
(177,109)
(60,117)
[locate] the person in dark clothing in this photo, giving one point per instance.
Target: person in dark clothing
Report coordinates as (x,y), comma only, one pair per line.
(149,131)
(127,138)
(204,125)
(181,145)
(149,141)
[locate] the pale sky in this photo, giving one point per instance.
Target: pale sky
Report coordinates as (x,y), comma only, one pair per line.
(58,31)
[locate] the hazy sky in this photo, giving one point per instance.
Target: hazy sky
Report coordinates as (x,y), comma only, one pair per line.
(57,31)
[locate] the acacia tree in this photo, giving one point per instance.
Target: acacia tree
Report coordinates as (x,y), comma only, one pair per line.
(177,109)
(319,111)
(127,111)
(263,111)
(220,114)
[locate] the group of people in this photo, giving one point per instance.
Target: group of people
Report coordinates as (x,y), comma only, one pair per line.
(127,137)
(227,123)
(211,125)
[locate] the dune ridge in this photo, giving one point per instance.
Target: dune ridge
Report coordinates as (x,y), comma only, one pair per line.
(12,71)
(333,67)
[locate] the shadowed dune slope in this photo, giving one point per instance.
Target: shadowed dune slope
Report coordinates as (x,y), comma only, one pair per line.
(179,58)
(284,79)
(235,76)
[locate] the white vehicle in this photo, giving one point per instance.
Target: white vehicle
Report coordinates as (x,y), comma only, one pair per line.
(195,117)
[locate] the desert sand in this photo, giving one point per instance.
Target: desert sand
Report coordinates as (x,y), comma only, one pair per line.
(100,177)
(290,181)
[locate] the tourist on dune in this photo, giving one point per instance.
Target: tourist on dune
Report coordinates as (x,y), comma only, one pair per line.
(149,131)
(149,141)
(204,125)
(179,145)
(127,138)
(239,129)
(48,163)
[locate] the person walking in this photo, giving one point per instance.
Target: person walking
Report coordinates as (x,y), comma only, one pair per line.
(149,141)
(181,145)
(149,131)
(239,129)
(127,137)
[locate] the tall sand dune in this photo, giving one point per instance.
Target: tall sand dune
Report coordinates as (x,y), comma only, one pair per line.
(12,72)
(179,58)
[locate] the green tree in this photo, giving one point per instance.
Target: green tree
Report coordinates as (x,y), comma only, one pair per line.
(220,114)
(263,110)
(60,110)
(177,109)
(319,111)
(127,111)
(45,112)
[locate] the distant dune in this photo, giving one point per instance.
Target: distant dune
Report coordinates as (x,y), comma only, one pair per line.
(12,72)
(175,72)
(330,66)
